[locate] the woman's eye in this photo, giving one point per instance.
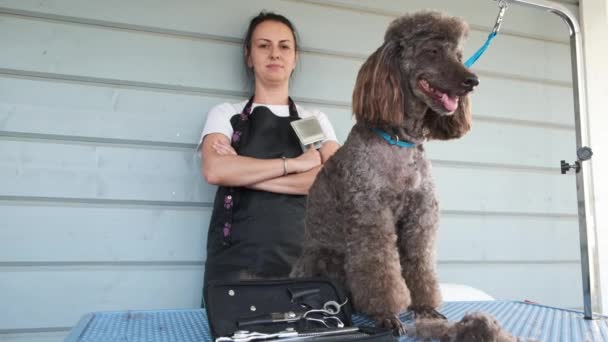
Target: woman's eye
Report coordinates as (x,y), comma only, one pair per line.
(286,47)
(263,46)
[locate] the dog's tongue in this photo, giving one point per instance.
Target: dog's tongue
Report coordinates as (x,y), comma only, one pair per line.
(450,103)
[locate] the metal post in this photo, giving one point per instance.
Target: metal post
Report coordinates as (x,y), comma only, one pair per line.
(584,181)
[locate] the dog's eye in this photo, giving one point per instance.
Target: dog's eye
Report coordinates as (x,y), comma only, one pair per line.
(432,52)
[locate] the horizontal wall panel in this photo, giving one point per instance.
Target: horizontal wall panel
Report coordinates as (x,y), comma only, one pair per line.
(548,60)
(92,51)
(35,298)
(504,143)
(496,190)
(523,101)
(84,110)
(556,285)
(49,169)
(43,169)
(486,238)
(127,288)
(86,233)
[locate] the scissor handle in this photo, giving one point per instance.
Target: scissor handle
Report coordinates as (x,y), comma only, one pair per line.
(332,307)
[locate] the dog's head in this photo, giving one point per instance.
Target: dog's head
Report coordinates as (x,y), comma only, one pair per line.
(418,73)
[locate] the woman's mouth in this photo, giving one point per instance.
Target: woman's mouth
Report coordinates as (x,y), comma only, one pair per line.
(274,66)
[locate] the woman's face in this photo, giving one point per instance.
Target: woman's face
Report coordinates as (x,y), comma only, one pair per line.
(273,55)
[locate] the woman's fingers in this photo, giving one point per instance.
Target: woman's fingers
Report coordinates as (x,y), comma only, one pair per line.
(313,156)
(223,149)
(307,160)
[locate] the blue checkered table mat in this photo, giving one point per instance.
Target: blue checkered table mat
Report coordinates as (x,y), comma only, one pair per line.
(521,319)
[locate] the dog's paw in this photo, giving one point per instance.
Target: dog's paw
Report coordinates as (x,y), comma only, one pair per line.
(393,323)
(426,312)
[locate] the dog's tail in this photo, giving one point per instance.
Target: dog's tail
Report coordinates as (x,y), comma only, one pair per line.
(430,329)
(474,327)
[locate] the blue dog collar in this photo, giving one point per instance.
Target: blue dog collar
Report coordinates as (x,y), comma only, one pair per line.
(387,137)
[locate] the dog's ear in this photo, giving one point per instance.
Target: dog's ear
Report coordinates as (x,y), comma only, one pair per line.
(378,96)
(444,127)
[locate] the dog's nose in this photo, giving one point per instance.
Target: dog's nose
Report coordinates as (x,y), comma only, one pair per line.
(471,81)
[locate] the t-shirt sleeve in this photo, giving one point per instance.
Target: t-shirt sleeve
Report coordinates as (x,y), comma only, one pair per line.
(326,126)
(218,121)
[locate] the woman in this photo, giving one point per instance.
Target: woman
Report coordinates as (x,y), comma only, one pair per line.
(250,150)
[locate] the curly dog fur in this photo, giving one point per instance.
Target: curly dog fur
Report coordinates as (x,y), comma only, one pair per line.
(372,213)
(473,327)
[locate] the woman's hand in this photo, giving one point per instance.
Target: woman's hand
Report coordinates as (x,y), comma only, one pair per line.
(306,161)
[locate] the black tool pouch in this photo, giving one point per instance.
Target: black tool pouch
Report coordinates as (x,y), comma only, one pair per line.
(277,306)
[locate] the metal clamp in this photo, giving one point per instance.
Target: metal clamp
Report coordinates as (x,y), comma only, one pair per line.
(503,5)
(583,153)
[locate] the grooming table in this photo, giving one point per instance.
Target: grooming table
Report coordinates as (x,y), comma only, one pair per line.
(521,319)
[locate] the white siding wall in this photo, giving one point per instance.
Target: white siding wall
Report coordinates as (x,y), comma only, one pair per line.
(102,102)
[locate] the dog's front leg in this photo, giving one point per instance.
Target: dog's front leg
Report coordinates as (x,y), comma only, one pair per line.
(372,268)
(417,232)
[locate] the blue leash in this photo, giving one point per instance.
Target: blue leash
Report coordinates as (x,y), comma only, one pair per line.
(481,50)
(503,7)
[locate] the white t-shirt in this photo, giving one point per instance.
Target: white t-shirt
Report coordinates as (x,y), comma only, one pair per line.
(218,119)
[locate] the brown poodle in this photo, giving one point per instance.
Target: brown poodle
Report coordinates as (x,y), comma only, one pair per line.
(372,212)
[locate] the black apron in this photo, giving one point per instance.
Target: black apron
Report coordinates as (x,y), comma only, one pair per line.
(265,229)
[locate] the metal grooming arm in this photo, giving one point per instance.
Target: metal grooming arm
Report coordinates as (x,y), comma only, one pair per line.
(584,181)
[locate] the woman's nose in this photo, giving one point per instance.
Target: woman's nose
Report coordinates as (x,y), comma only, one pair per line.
(274,53)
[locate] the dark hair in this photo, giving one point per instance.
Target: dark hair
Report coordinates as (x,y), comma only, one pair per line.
(253,24)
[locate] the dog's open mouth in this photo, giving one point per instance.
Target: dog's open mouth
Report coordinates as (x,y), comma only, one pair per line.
(449,103)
